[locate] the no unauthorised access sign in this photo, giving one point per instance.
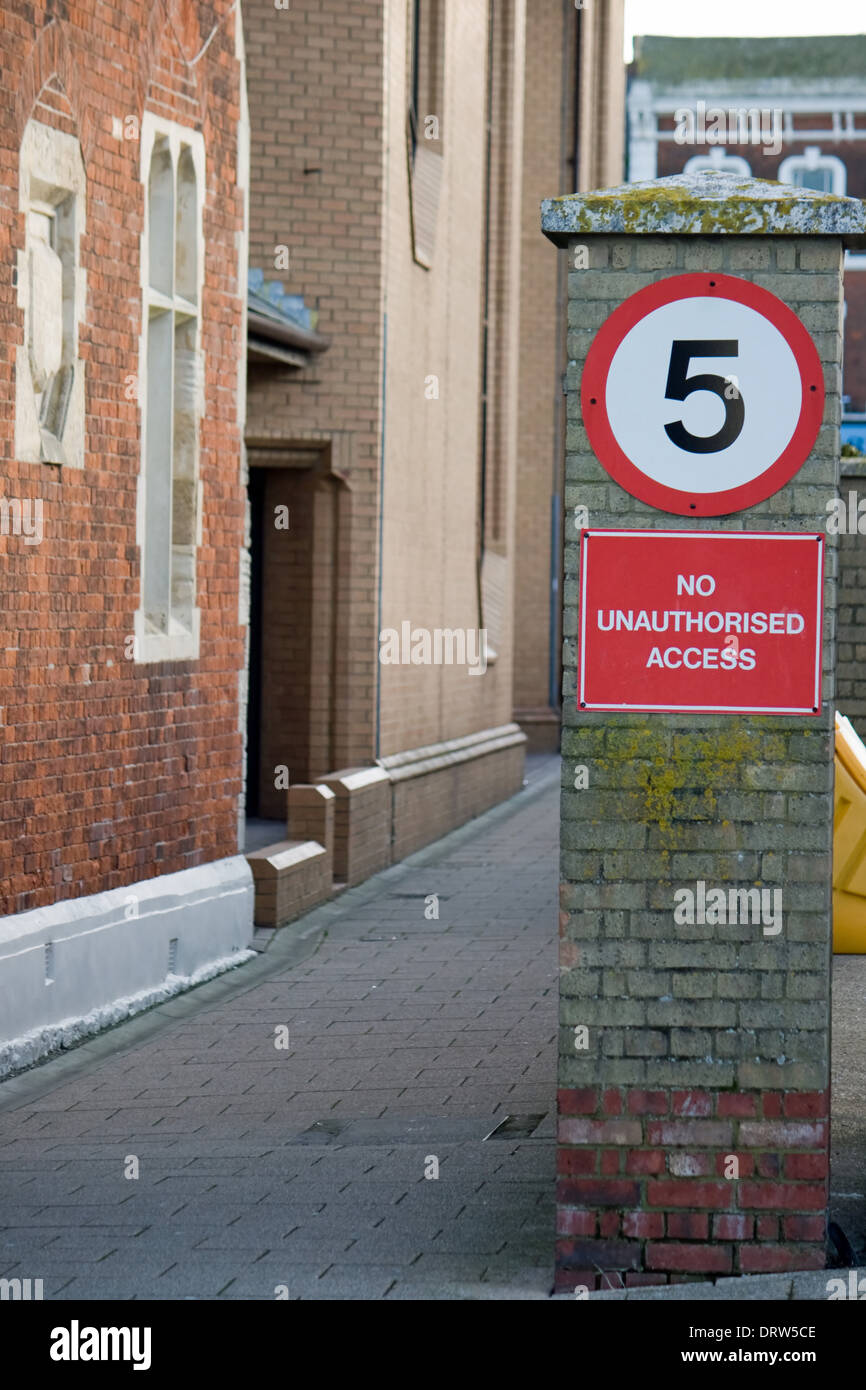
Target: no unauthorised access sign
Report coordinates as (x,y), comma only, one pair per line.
(702,394)
(701,621)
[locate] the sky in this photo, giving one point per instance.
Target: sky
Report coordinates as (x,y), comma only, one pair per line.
(766,18)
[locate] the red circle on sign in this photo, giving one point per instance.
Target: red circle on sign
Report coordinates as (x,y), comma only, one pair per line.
(594,395)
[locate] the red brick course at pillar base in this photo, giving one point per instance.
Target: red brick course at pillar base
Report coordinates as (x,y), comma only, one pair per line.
(642,1196)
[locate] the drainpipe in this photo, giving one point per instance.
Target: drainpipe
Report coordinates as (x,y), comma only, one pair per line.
(381,531)
(485,314)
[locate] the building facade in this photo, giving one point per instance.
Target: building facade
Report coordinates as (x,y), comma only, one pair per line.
(124,152)
(269,494)
(405,620)
(573,140)
(789,109)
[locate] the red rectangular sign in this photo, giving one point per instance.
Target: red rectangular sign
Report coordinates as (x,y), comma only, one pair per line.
(728,622)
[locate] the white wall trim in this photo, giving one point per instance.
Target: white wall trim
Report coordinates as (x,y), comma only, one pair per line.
(83,964)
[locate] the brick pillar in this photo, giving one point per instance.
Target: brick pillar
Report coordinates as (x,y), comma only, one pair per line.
(311,813)
(705,1043)
(362,822)
(851,628)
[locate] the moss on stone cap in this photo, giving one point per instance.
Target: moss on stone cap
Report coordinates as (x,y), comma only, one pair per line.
(708,203)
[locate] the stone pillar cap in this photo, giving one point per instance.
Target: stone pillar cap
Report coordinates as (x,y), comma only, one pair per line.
(708,203)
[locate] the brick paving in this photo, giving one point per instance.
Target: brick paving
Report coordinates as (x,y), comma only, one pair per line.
(302,1169)
(265,1169)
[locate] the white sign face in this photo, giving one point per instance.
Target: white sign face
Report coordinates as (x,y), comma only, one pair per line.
(735,369)
(701,403)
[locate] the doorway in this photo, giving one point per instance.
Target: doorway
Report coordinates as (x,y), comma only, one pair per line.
(293,606)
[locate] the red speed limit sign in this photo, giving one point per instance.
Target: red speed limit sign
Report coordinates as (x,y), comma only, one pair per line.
(702,394)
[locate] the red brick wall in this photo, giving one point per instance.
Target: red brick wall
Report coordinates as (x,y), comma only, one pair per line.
(110,771)
(643,1196)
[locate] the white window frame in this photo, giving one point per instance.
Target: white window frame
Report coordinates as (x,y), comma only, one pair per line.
(812,158)
(182,641)
(51,171)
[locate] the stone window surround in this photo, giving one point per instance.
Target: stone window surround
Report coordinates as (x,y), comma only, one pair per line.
(182,642)
(812,158)
(51,172)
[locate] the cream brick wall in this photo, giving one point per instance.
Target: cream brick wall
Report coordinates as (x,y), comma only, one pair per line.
(851,663)
(601,96)
(328,87)
(549,133)
(548,148)
(431,485)
(315,82)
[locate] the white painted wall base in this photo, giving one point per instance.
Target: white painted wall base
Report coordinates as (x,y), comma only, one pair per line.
(74,968)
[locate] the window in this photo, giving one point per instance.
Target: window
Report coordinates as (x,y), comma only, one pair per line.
(812,169)
(717,159)
(49,377)
(424,121)
(170,390)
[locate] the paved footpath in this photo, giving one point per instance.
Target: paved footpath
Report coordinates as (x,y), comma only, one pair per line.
(266,1170)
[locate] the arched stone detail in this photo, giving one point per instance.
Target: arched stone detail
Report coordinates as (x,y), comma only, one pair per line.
(173,31)
(49,67)
(53,106)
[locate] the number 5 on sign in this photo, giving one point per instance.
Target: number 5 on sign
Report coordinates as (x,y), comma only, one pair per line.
(702,394)
(681,386)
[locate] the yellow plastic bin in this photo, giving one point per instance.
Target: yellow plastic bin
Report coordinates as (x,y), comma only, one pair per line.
(849,843)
